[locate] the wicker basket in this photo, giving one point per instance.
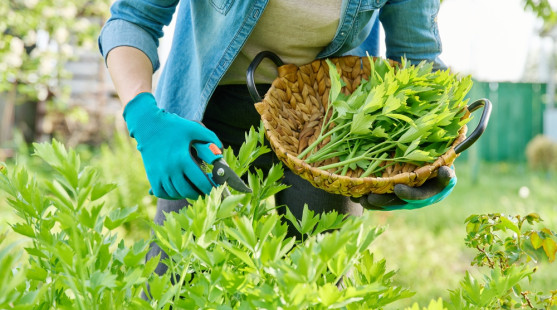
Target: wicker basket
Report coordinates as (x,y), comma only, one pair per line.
(292,111)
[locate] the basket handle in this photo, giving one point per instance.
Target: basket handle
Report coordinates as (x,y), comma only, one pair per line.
(251,71)
(482,125)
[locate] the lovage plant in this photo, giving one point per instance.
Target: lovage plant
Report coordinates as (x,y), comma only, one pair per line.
(223,252)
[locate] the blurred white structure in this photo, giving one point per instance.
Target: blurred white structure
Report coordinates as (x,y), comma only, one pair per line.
(490,39)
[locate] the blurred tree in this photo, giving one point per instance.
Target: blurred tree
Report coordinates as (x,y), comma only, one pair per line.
(544,10)
(37,39)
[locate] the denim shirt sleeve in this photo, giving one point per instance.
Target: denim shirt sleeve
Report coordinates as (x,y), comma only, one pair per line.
(411,30)
(137,23)
(371,44)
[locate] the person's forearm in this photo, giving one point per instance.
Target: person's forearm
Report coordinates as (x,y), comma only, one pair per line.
(131,72)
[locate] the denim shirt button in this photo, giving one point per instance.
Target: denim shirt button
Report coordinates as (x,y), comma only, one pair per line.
(343,33)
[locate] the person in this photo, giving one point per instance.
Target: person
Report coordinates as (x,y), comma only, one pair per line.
(204,80)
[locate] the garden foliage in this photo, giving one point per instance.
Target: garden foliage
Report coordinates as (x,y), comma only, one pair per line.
(228,252)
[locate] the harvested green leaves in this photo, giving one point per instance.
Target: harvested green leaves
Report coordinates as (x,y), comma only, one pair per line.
(406,114)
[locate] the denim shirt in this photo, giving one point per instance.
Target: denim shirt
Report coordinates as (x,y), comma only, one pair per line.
(210,33)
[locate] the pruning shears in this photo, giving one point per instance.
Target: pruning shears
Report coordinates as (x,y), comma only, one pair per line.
(221,172)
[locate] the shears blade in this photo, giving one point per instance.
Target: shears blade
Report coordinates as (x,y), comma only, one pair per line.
(222,173)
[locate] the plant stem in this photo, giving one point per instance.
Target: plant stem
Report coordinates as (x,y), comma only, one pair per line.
(350,155)
(320,139)
(371,168)
(324,152)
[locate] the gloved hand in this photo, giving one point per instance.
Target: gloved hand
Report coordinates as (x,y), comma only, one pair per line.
(408,198)
(165,142)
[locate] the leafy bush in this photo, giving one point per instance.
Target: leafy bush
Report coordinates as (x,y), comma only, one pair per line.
(510,248)
(111,158)
(230,252)
(40,37)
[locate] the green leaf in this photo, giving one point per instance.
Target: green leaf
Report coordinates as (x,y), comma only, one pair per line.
(375,100)
(412,147)
(103,279)
(379,132)
(413,133)
(289,216)
(329,220)
(228,205)
(137,254)
(119,216)
(361,123)
(99,190)
(342,107)
(89,219)
(243,256)
(391,104)
(308,221)
(550,248)
(35,252)
(37,273)
(243,232)
(536,241)
(505,223)
(336,85)
(266,225)
(401,117)
(23,229)
(418,155)
(270,250)
(329,294)
(357,98)
(151,265)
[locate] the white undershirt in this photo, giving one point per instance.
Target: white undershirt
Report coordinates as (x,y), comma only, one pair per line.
(295,30)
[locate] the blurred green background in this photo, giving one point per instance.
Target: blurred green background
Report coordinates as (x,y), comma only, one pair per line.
(53,84)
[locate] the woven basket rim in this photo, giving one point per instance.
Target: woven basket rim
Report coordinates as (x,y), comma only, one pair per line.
(362,185)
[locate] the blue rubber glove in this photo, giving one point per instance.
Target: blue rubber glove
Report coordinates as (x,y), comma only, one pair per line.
(409,198)
(166,141)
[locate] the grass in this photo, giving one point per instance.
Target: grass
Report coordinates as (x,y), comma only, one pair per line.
(426,246)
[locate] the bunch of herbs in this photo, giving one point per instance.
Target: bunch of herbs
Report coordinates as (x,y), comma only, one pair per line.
(401,114)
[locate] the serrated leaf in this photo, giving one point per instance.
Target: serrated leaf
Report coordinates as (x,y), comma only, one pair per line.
(119,216)
(361,123)
(23,229)
(375,100)
(413,133)
(289,216)
(342,107)
(379,132)
(151,265)
(336,85)
(243,256)
(505,223)
(309,220)
(243,232)
(228,205)
(99,190)
(418,155)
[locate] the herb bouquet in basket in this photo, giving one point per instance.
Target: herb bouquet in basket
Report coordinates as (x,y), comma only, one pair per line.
(359,125)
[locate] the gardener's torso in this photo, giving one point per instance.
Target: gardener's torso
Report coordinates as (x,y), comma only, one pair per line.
(209,36)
